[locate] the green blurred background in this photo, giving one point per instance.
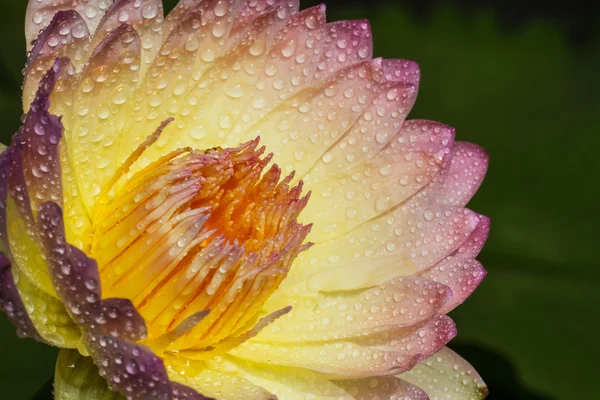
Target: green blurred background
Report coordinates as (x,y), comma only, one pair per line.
(522,80)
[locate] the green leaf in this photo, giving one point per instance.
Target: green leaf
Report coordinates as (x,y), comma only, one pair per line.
(77,378)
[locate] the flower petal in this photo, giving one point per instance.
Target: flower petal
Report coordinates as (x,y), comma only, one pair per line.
(106,83)
(34,177)
(67,35)
(221,385)
(145,16)
(111,327)
(461,275)
(384,353)
(467,170)
(376,185)
(333,360)
(285,383)
(398,70)
(22,236)
(375,128)
(291,58)
(47,313)
(472,247)
(400,243)
(446,376)
(206,102)
(76,378)
(326,111)
(251,10)
(424,339)
(346,43)
(39,144)
(41,12)
(398,303)
(5,160)
(12,305)
(382,388)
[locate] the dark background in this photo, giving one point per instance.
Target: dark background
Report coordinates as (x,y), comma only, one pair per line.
(521,78)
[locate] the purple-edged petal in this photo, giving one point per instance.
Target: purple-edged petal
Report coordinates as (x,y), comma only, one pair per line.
(12,305)
(382,388)
(145,16)
(67,35)
(467,170)
(39,144)
(24,249)
(5,158)
(41,12)
(112,327)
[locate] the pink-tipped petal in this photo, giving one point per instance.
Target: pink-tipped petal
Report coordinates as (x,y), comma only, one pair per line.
(397,70)
(356,313)
(423,339)
(373,131)
(41,12)
(326,111)
(400,243)
(474,244)
(467,170)
(333,359)
(459,274)
(346,43)
(290,61)
(251,10)
(382,388)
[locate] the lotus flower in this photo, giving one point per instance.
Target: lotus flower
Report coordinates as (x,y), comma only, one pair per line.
(228,202)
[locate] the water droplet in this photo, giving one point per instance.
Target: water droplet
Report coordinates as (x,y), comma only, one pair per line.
(289,49)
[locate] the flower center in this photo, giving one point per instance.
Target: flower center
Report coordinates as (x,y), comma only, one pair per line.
(200,230)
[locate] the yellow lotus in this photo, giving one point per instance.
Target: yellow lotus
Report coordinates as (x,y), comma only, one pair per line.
(228,202)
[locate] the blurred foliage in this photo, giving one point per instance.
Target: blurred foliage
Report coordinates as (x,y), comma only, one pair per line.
(532,100)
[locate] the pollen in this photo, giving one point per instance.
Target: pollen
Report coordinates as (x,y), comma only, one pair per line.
(198,241)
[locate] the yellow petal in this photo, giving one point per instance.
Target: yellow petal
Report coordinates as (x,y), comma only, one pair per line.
(48,314)
(285,383)
(447,376)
